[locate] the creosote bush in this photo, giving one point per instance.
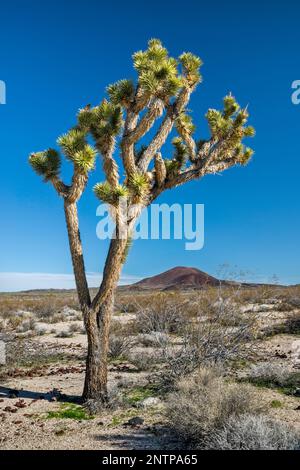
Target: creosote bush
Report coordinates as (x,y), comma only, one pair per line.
(253,432)
(268,374)
(119,346)
(203,402)
(208,340)
(163,314)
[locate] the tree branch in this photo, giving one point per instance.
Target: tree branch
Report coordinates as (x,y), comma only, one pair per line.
(160,137)
(147,121)
(77,254)
(128,156)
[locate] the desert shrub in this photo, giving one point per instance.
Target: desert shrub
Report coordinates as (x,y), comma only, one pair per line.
(75,328)
(284,307)
(271,375)
(64,334)
(43,305)
(14,322)
(164,313)
(268,374)
(154,339)
(293,301)
(26,325)
(143,361)
(40,331)
(203,403)
(292,325)
(28,353)
(119,346)
(253,432)
(119,328)
(205,342)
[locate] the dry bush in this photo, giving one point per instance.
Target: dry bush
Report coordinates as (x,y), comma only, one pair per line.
(119,346)
(26,325)
(269,374)
(203,403)
(154,339)
(119,328)
(77,328)
(43,305)
(253,432)
(292,323)
(163,313)
(144,361)
(209,341)
(64,334)
(272,375)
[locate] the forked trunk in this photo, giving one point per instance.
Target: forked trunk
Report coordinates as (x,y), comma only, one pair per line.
(97,322)
(97,314)
(97,326)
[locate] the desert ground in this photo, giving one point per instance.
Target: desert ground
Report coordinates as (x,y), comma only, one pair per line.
(168,351)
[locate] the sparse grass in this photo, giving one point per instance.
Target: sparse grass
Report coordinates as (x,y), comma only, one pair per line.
(274,376)
(70,411)
(276,404)
(120,417)
(139,393)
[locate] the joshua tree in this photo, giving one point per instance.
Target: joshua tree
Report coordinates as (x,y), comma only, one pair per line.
(159,99)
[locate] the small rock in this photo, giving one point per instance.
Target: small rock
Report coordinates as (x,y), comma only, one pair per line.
(135,421)
(149,402)
(297,392)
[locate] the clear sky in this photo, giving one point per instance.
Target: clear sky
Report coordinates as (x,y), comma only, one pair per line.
(57,56)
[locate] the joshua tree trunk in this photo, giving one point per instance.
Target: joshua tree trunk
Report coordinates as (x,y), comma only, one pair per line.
(97,322)
(97,326)
(96,314)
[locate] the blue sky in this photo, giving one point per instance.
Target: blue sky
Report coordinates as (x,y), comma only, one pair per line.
(57,56)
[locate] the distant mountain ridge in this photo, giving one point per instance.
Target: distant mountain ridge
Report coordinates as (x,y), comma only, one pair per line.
(179,277)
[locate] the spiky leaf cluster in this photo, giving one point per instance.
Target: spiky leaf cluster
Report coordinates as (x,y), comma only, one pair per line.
(85,159)
(138,185)
(176,164)
(180,151)
(76,149)
(72,142)
(106,125)
(121,93)
(184,124)
(230,127)
(158,73)
(191,68)
(108,194)
(46,163)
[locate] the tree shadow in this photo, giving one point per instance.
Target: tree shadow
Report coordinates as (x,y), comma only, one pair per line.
(6,392)
(134,441)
